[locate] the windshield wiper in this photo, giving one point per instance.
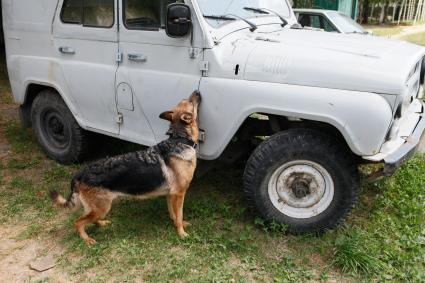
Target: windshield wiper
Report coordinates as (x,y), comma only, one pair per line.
(220,17)
(256,10)
(232,18)
(251,24)
(266,11)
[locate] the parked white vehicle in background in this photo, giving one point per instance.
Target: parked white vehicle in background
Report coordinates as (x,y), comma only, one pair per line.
(328,20)
(327,101)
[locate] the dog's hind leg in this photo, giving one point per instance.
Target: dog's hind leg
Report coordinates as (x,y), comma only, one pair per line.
(97,203)
(82,222)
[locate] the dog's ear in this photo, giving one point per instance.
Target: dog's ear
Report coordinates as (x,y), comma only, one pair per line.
(168,115)
(187,118)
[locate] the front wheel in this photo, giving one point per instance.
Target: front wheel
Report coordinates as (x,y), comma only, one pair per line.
(302,178)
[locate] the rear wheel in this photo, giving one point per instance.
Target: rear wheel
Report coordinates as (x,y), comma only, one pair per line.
(302,178)
(57,131)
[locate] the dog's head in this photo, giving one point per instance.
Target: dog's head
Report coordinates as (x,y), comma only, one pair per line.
(184,118)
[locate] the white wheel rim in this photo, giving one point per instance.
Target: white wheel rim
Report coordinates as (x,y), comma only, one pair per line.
(301,189)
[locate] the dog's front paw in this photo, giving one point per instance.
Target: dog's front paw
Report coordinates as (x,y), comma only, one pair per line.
(90,241)
(183,234)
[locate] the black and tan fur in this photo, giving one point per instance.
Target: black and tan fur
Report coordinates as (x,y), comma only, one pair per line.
(165,169)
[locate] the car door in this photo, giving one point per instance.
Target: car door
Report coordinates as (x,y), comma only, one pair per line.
(85,35)
(156,71)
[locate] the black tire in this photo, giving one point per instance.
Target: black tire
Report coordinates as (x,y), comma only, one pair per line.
(290,147)
(56,129)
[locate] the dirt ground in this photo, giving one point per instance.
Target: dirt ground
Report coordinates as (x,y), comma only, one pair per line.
(17,253)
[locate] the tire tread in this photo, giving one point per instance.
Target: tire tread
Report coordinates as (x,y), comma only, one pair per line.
(292,141)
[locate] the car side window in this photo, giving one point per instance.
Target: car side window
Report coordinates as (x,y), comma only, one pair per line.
(72,12)
(315,21)
(327,26)
(145,14)
(89,13)
(307,20)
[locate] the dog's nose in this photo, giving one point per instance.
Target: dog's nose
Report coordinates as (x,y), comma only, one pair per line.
(196,97)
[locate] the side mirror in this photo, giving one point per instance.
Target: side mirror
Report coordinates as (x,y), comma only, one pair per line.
(178,20)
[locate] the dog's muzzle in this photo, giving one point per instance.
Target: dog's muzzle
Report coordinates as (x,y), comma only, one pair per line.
(196,97)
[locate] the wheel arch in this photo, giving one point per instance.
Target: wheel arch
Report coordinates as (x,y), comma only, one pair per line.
(270,124)
(277,123)
(32,89)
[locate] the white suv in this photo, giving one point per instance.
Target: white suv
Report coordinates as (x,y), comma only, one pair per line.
(325,102)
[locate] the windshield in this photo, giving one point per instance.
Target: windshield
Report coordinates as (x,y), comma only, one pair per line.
(345,23)
(236,7)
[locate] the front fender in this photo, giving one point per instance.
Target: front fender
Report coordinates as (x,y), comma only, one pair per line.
(362,118)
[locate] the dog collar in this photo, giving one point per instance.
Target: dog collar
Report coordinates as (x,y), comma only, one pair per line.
(193,144)
(187,142)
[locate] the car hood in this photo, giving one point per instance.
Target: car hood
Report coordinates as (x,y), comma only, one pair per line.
(320,59)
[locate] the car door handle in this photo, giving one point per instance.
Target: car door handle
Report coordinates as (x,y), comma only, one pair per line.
(137,57)
(66,50)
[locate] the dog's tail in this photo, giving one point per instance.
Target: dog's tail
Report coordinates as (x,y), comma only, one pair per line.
(60,201)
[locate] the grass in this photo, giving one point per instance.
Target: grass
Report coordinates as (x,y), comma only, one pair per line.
(383,239)
(351,255)
(386,31)
(418,38)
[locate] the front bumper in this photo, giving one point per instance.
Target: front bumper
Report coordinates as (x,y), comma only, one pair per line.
(396,151)
(403,153)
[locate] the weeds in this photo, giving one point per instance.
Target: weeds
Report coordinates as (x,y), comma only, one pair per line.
(351,254)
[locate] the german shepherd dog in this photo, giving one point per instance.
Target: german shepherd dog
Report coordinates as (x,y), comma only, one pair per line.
(165,169)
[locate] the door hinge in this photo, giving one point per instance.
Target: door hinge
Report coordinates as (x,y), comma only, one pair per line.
(204,66)
(120,119)
(118,57)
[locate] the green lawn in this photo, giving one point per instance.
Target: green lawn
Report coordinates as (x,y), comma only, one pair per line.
(418,38)
(391,30)
(386,31)
(383,239)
